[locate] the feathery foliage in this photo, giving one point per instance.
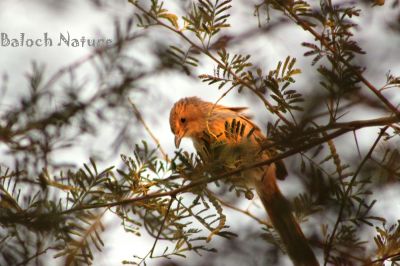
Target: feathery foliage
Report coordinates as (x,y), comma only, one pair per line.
(48,206)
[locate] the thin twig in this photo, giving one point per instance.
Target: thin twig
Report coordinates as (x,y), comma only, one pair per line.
(84,59)
(219,63)
(37,254)
(163,224)
(347,192)
(346,126)
(246,212)
(383,258)
(324,42)
(206,180)
(354,124)
(140,118)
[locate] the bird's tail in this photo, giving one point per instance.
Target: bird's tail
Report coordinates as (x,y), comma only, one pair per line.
(282,219)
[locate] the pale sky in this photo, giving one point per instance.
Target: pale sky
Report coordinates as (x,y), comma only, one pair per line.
(79,18)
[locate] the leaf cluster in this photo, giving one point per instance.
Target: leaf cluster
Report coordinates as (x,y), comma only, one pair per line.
(207,18)
(63,214)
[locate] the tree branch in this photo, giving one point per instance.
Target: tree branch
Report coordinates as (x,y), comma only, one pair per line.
(246,212)
(203,181)
(155,139)
(323,41)
(383,259)
(219,63)
(346,194)
(37,254)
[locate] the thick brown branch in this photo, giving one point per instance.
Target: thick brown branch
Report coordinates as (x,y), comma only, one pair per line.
(347,126)
(357,124)
(203,181)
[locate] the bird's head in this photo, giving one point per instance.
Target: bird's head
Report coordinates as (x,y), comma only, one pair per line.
(187,118)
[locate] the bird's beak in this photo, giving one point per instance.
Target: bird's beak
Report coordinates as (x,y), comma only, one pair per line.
(178,139)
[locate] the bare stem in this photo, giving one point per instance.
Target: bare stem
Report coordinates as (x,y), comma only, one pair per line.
(246,212)
(162,225)
(37,254)
(383,259)
(155,139)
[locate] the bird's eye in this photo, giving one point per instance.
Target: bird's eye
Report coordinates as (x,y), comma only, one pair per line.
(183,120)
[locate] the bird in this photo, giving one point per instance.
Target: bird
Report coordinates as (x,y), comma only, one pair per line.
(206,123)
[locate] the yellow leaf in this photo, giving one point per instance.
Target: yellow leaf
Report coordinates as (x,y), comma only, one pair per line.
(171,18)
(294,71)
(61,186)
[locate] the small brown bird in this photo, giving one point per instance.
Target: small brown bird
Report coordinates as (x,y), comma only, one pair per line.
(205,123)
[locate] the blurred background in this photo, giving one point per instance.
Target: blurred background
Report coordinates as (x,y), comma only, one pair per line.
(114,131)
